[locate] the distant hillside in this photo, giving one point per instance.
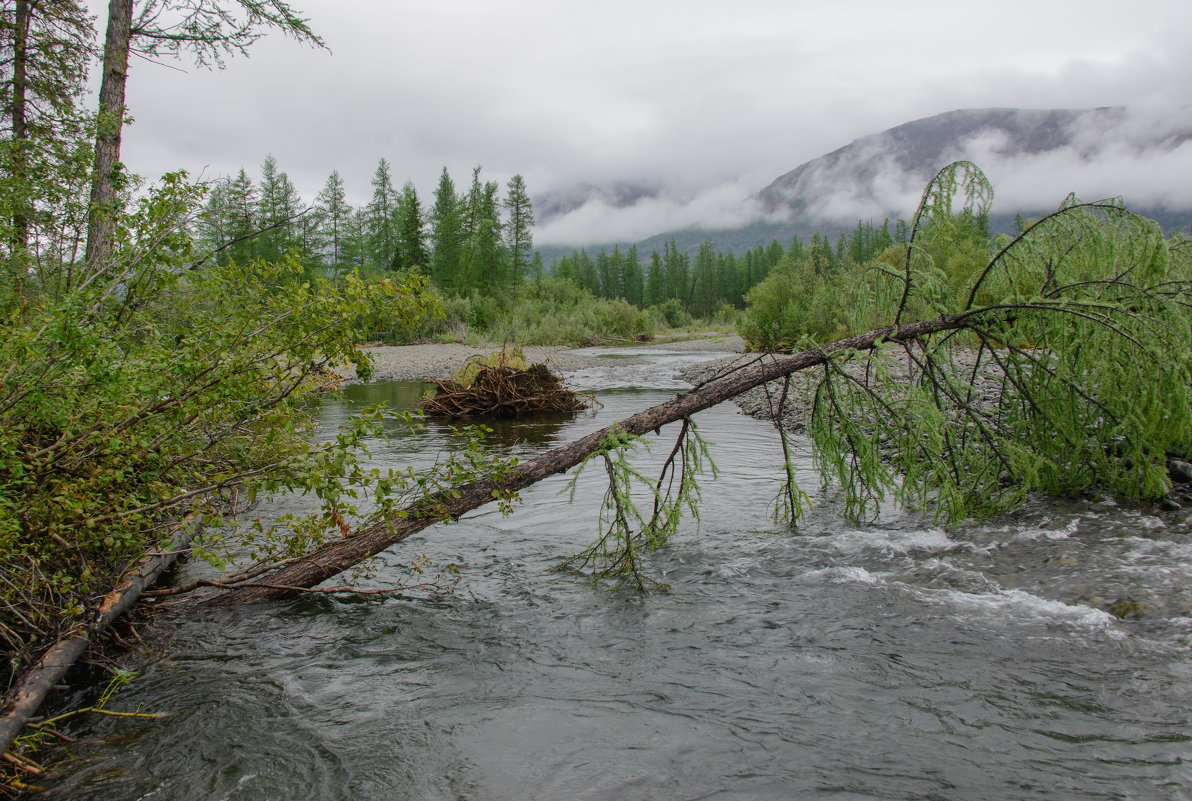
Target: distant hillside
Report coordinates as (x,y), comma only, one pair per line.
(1033,157)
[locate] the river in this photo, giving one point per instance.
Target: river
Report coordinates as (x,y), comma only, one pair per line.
(888,660)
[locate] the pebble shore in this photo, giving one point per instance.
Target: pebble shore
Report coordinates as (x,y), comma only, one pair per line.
(437,361)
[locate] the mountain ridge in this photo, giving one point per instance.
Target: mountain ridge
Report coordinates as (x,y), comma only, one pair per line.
(881,175)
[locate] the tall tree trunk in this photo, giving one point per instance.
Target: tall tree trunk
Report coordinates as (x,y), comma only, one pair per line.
(20,133)
(102,214)
(343,554)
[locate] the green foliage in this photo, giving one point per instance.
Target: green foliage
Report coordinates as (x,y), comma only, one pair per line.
(817,296)
(1071,372)
(550,311)
(794,304)
(628,535)
(519,240)
(670,313)
(210,31)
(352,494)
(139,393)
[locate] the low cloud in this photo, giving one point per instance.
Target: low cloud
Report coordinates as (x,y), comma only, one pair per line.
(1142,154)
(598,221)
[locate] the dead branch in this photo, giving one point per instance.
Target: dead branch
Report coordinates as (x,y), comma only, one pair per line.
(504,391)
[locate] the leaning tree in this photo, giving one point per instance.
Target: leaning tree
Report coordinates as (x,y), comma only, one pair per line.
(1061,368)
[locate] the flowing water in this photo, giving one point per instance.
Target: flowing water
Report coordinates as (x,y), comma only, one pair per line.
(891,660)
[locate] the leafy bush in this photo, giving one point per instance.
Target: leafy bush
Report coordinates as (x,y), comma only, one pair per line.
(144,392)
(670,313)
(549,311)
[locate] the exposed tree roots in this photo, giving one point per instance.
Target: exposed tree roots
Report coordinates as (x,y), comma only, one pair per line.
(505,391)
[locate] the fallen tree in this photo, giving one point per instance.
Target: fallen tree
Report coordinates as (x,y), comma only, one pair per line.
(1083,319)
(341,555)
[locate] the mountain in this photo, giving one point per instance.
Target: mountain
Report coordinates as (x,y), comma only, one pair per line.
(1051,151)
(1034,158)
(916,150)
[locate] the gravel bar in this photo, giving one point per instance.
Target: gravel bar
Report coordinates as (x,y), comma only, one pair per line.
(437,361)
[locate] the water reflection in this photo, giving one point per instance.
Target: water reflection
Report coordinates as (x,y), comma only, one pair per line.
(399,395)
(510,436)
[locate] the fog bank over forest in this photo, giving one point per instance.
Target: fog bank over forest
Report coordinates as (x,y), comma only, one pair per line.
(1034,158)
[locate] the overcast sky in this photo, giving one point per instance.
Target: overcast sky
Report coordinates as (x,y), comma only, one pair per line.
(710,99)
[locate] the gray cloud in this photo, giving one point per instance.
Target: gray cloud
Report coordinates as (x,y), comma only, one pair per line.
(696,95)
(1142,153)
(600,222)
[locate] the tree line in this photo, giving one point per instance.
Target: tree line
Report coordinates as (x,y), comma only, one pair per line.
(474,240)
(705,282)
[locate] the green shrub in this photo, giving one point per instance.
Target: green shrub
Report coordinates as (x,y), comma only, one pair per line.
(136,395)
(548,311)
(671,313)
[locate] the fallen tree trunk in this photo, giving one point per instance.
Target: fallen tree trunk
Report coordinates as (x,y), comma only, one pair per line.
(35,685)
(341,555)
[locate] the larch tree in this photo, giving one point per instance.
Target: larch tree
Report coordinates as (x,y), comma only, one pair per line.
(208,30)
(410,225)
(655,291)
(241,220)
(519,222)
(632,280)
(229,220)
(357,239)
(446,235)
(381,220)
(480,233)
(332,218)
(675,269)
(279,208)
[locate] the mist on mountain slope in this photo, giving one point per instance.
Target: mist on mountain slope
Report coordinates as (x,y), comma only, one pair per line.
(1034,158)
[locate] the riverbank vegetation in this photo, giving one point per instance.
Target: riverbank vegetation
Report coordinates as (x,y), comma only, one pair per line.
(147,386)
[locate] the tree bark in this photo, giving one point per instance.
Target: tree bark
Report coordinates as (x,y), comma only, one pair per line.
(341,555)
(20,131)
(104,191)
(36,684)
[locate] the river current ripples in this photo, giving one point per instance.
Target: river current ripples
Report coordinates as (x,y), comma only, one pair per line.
(886,660)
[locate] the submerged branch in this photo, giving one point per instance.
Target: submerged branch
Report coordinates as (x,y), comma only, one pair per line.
(37,683)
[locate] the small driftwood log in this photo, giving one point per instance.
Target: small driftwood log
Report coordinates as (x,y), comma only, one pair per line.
(33,687)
